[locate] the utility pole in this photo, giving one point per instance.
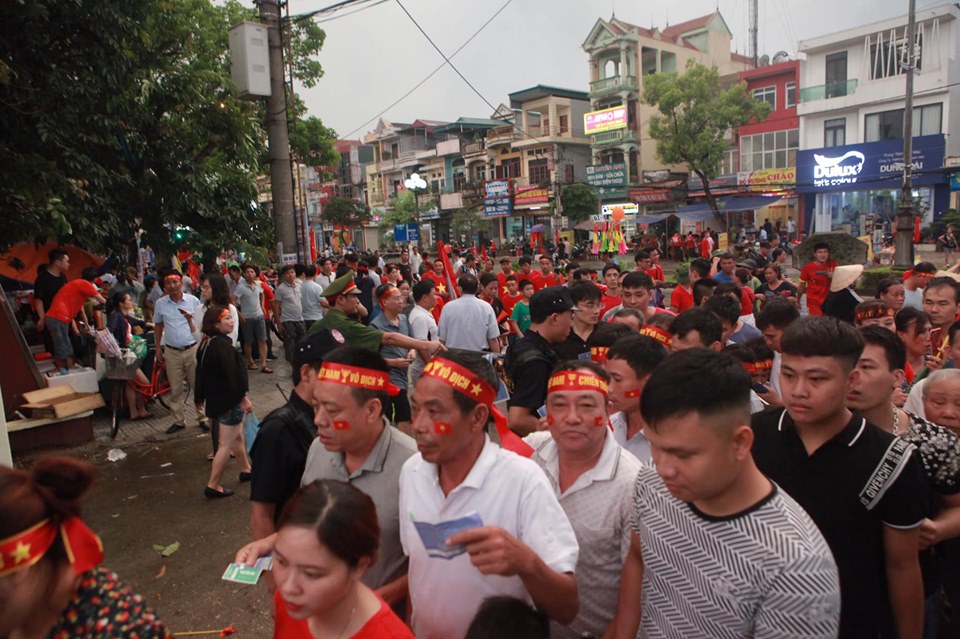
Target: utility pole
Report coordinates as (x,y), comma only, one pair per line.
(754,29)
(281,176)
(905,213)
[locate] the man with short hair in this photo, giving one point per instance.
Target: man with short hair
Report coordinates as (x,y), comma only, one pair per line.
(914,281)
(593,479)
(611,295)
(176,317)
(398,358)
(468,322)
(776,315)
(508,534)
(718,549)
(406,271)
(311,294)
(469,266)
(941,301)
(630,362)
(545,276)
(48,283)
(506,270)
(279,453)
(635,291)
(422,325)
(697,328)
(586,315)
(253,325)
(325,277)
(288,310)
(863,487)
(727,307)
(815,278)
(356,444)
(530,359)
(724,274)
(61,315)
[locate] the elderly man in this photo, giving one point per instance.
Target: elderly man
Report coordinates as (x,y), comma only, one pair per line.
(468,322)
(593,478)
(475,520)
(176,316)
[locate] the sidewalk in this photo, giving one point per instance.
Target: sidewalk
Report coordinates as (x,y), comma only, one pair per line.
(155,496)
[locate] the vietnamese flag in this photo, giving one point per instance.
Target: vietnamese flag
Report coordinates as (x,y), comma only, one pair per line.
(341,425)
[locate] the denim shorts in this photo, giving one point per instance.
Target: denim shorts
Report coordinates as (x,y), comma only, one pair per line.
(254,330)
(232,417)
(60,334)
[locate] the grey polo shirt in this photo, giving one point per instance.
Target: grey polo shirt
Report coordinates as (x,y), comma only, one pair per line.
(378,477)
(291,306)
(469,323)
(310,294)
(248,299)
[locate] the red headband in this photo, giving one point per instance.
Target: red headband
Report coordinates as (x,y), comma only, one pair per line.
(760,366)
(658,334)
(172,276)
(873,312)
(83,547)
(599,353)
(365,378)
(576,381)
(387,293)
(466,382)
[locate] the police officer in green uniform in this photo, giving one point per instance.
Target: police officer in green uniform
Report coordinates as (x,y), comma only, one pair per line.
(344,299)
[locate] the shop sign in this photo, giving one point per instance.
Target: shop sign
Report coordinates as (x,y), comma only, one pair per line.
(430,214)
(873,165)
(525,195)
(607,174)
(955,182)
(769,179)
(497,206)
(605,120)
(694,183)
(651,196)
(630,210)
(496,188)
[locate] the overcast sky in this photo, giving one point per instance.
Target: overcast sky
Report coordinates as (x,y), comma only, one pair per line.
(374,56)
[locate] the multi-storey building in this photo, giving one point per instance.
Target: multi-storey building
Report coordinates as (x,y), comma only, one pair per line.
(851,109)
(621,55)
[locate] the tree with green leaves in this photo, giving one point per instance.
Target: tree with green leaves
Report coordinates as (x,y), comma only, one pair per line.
(119,116)
(696,113)
(345,212)
(579,202)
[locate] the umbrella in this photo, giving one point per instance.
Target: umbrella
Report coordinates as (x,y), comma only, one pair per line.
(537,228)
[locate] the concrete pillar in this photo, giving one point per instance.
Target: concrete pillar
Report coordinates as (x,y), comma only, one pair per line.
(624,63)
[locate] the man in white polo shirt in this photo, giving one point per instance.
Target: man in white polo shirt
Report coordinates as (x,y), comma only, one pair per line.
(593,478)
(477,520)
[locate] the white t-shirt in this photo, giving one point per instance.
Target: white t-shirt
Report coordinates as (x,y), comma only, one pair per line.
(422,326)
(504,490)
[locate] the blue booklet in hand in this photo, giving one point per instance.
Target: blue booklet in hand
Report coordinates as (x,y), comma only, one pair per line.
(433,536)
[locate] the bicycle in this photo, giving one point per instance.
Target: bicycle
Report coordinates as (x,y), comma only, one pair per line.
(119,370)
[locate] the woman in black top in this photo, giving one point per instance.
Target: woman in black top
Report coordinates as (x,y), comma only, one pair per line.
(222,388)
(775,286)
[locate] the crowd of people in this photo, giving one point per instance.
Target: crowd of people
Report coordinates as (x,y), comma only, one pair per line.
(552,450)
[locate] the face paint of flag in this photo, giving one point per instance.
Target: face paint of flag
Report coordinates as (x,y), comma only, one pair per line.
(550,420)
(341,425)
(598,421)
(442,428)
(632,394)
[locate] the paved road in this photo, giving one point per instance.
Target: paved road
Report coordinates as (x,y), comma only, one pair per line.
(141,501)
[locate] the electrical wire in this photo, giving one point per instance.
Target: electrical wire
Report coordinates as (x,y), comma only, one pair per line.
(344,15)
(329,9)
(462,77)
(432,73)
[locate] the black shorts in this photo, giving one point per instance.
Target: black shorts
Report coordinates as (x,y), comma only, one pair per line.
(399,407)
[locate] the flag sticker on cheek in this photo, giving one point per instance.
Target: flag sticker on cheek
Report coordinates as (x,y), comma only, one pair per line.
(550,420)
(633,393)
(598,421)
(442,428)
(341,425)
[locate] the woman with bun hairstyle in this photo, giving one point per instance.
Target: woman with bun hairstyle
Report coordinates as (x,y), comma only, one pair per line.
(327,538)
(51,581)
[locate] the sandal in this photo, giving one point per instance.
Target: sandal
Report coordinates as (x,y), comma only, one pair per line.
(267,370)
(252,367)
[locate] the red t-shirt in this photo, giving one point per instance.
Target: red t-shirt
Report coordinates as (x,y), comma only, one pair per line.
(680,299)
(439,280)
(656,272)
(502,278)
(746,300)
(70,299)
(539,280)
(509,301)
(267,299)
(818,284)
(609,301)
(705,248)
(383,625)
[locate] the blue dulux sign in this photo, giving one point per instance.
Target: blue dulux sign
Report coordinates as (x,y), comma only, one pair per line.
(871,165)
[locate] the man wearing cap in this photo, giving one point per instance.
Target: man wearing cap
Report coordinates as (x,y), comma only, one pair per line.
(477,520)
(468,322)
(530,359)
(176,318)
(344,299)
(356,444)
(279,453)
(592,477)
(815,278)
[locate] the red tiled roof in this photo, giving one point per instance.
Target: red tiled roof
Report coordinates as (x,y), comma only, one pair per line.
(678,30)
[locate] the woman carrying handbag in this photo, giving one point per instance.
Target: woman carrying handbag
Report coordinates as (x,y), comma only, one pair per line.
(222,388)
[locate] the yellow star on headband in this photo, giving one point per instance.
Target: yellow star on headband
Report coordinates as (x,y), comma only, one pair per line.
(475,389)
(21,553)
(379,381)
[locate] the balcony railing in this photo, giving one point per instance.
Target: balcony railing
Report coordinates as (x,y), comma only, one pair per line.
(547,131)
(612,85)
(474,148)
(615,137)
(827,91)
(501,135)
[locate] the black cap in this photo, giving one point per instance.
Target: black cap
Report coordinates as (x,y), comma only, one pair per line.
(311,348)
(549,300)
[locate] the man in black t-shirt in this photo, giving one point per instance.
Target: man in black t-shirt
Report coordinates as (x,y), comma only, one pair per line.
(864,488)
(531,358)
(279,453)
(50,279)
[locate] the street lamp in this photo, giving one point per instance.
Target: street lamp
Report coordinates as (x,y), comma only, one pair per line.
(415,184)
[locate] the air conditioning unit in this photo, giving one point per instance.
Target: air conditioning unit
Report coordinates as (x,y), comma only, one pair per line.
(250,59)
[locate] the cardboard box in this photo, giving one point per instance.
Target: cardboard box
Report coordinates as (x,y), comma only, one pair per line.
(80,378)
(60,402)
